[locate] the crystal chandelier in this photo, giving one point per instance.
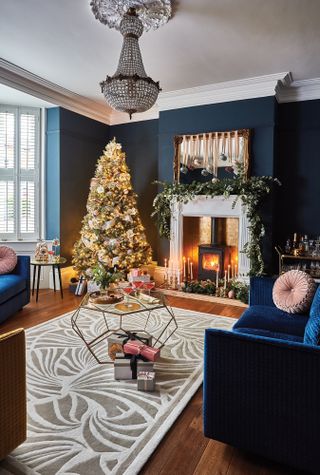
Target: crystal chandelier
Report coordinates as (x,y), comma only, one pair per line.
(130,89)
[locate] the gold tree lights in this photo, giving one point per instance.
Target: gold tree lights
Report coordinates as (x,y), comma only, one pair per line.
(112,232)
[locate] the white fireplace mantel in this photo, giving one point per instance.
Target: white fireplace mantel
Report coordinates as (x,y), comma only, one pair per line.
(217,207)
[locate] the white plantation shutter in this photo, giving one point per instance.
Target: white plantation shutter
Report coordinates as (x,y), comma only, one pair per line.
(19,172)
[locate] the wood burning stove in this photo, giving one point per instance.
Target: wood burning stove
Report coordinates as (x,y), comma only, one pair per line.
(216,256)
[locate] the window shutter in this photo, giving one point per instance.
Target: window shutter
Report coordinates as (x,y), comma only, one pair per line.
(19,172)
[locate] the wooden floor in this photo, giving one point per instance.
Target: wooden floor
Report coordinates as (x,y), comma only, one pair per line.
(184,450)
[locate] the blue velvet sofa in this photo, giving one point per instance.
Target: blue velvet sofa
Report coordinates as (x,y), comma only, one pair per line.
(15,288)
(262,382)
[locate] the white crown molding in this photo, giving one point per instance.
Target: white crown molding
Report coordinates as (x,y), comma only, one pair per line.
(228,91)
(279,85)
(304,90)
(25,81)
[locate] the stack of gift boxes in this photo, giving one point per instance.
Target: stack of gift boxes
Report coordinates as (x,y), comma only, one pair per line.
(134,357)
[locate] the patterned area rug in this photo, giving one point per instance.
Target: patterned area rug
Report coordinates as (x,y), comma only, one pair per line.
(82,421)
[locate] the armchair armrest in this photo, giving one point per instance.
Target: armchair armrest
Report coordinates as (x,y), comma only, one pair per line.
(261,291)
(13,400)
(262,395)
(23,269)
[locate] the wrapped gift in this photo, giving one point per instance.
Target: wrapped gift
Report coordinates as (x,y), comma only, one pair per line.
(136,347)
(146,380)
(127,367)
(117,340)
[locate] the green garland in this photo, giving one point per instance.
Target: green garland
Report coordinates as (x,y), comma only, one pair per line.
(251,191)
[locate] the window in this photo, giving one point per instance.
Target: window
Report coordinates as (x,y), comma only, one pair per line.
(19,173)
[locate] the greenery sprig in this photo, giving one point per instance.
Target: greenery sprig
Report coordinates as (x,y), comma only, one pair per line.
(251,191)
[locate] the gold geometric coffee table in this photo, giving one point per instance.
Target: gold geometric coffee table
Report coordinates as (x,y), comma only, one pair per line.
(137,315)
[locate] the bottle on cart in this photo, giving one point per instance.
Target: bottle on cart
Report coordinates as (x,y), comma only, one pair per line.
(306,244)
(301,245)
(288,248)
(295,242)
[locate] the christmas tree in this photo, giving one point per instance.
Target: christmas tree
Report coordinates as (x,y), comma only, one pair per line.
(112,233)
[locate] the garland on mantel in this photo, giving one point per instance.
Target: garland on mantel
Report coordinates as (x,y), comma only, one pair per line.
(251,191)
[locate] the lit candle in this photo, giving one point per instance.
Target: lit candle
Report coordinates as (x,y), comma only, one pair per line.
(228,272)
(236,270)
(225,280)
(217,277)
(165,263)
(188,267)
(184,268)
(191,270)
(232,270)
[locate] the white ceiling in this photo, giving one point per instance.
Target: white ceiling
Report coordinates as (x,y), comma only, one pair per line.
(206,42)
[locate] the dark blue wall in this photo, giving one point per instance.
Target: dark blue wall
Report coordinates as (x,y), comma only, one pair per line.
(285,143)
(73,149)
(140,143)
(298,168)
(53,173)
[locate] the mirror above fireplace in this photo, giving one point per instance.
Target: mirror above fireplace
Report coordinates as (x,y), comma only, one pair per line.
(207,156)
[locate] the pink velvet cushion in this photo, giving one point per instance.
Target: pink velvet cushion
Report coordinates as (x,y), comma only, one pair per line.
(293,291)
(8,259)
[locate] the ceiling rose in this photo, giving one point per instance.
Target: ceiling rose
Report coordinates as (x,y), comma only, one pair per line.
(152,13)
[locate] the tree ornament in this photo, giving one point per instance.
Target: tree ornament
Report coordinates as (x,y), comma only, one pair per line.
(231,294)
(223,157)
(205,172)
(184,169)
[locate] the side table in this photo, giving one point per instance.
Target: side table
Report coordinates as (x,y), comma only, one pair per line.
(37,269)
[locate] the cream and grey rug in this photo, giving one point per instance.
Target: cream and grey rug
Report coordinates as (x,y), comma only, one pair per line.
(82,421)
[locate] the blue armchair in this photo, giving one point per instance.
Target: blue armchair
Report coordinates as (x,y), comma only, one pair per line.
(262,385)
(15,288)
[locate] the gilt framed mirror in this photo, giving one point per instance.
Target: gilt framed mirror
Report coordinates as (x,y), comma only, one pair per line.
(202,157)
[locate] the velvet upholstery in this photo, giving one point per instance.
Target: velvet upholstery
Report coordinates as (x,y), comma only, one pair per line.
(15,288)
(261,393)
(270,321)
(11,285)
(312,330)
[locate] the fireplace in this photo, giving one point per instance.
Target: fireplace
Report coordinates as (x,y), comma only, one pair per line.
(192,234)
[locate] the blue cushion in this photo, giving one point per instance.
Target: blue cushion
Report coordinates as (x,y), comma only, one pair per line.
(269,334)
(312,331)
(11,285)
(270,321)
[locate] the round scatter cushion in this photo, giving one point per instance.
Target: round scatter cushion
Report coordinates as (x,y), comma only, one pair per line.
(293,291)
(8,259)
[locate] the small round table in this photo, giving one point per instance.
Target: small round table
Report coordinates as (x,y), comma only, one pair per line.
(37,268)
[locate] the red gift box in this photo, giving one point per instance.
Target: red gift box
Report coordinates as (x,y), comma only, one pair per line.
(135,347)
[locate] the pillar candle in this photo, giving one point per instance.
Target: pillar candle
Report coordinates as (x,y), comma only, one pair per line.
(228,272)
(225,280)
(217,277)
(188,268)
(191,270)
(236,270)
(184,268)
(165,263)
